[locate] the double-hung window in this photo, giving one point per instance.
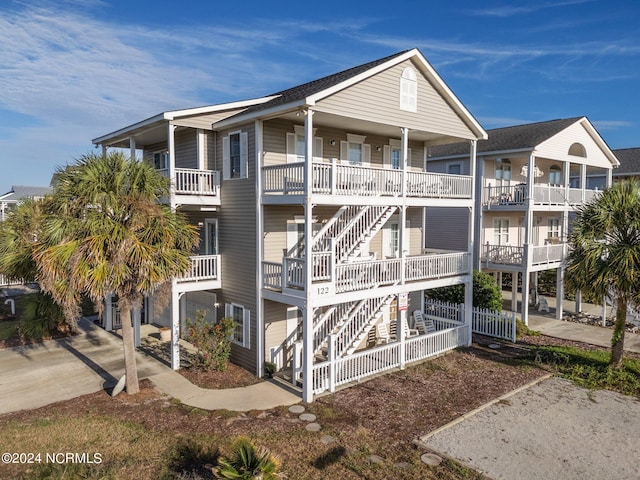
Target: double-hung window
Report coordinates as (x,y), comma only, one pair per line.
(242,319)
(161,160)
(354,151)
(235,155)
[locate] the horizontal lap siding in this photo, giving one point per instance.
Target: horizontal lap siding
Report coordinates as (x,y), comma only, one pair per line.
(237,244)
(275,321)
(377,99)
(515,228)
(557,147)
(186,148)
(447,228)
(198,220)
(205,121)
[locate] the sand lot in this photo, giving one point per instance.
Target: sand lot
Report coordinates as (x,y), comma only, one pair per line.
(552,430)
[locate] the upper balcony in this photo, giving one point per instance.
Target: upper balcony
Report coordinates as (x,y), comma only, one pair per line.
(331,279)
(191,186)
(204,274)
(542,257)
(283,183)
(514,196)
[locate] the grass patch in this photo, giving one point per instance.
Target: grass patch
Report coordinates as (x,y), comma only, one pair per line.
(591,369)
(9,329)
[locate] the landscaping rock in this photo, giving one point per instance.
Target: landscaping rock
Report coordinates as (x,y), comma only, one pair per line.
(308,417)
(376,459)
(328,439)
(313,427)
(296,409)
(431,459)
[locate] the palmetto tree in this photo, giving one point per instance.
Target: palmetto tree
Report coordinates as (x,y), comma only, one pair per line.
(104,233)
(247,462)
(604,256)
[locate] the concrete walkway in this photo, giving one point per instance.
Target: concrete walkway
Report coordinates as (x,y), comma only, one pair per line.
(546,323)
(40,374)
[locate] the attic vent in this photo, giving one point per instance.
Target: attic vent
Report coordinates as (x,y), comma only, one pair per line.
(577,150)
(408,90)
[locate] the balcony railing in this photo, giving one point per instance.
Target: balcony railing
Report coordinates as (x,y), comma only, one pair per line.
(203,267)
(335,179)
(513,255)
(542,195)
(192,181)
(355,276)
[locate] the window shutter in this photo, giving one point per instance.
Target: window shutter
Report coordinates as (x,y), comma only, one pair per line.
(226,158)
(317,149)
(386,156)
(344,151)
(291,148)
(366,154)
(246,325)
(244,155)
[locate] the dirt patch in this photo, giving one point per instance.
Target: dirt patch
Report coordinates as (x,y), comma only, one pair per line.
(233,377)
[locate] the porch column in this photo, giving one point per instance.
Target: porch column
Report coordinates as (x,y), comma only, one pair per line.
(104,150)
(200,142)
(307,327)
(528,238)
(108,313)
(604,312)
(583,180)
(468,307)
(171,147)
(402,233)
(132,147)
(175,327)
(609,181)
(525,294)
(135,315)
(476,170)
(578,301)
(514,291)
(560,285)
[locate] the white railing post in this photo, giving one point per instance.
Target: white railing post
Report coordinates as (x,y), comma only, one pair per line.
(331,353)
(333,174)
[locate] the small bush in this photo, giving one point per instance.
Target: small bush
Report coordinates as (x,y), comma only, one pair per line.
(522,329)
(247,462)
(212,341)
(486,294)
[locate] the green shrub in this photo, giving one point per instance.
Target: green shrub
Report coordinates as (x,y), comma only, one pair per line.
(40,316)
(486,294)
(247,462)
(212,341)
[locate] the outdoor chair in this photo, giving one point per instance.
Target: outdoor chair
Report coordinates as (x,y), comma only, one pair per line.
(422,323)
(383,334)
(543,306)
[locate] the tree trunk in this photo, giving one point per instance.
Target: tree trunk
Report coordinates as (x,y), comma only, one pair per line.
(617,342)
(130,368)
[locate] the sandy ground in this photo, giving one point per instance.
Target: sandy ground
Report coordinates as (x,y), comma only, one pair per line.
(552,430)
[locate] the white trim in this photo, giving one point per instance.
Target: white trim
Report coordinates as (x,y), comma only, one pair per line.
(200,143)
(244,155)
(207,242)
(354,138)
(246,324)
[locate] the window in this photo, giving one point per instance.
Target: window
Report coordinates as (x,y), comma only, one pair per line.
(242,319)
(391,239)
(554,228)
(235,155)
(354,151)
(394,238)
(211,236)
(395,158)
(577,150)
(503,172)
(408,90)
(555,175)
(392,155)
(501,231)
(296,148)
(161,160)
(454,168)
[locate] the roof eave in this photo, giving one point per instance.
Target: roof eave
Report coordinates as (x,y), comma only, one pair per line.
(261,114)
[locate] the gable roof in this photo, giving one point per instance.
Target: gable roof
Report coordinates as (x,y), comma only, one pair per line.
(19,192)
(629,162)
(518,137)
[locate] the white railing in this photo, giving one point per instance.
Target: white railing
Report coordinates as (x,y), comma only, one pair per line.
(435,266)
(192,181)
(339,371)
(494,324)
(505,195)
(591,194)
(203,267)
(362,226)
(6,281)
(444,311)
(272,275)
(364,275)
(294,272)
(549,195)
(547,254)
(542,195)
(438,185)
(329,320)
(335,179)
(504,254)
(116,319)
(365,315)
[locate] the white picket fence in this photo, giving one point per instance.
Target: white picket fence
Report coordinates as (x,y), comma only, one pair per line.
(484,321)
(6,281)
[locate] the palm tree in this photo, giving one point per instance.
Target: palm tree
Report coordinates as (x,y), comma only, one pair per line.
(105,233)
(604,256)
(18,234)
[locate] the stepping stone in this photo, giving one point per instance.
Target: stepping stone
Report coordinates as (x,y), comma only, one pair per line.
(375,459)
(313,427)
(327,439)
(431,459)
(402,465)
(308,417)
(494,346)
(296,409)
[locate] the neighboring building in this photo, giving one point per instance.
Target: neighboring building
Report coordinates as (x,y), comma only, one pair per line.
(528,180)
(17,194)
(340,161)
(629,164)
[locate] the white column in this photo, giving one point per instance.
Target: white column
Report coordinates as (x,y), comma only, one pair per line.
(171,147)
(583,180)
(259,251)
(609,181)
(514,291)
(132,148)
(307,328)
(108,313)
(135,315)
(560,287)
(468,307)
(476,170)
(402,233)
(525,297)
(200,142)
(104,150)
(604,312)
(578,301)
(175,327)
(528,236)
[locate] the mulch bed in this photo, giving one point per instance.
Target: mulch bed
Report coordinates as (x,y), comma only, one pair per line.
(233,377)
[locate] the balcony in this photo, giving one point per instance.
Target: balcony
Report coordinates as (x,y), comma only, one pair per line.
(204,274)
(544,195)
(551,254)
(348,180)
(196,186)
(362,275)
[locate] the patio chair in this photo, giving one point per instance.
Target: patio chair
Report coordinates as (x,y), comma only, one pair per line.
(422,323)
(410,332)
(543,305)
(383,334)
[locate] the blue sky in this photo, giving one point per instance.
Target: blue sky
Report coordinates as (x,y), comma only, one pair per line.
(72,70)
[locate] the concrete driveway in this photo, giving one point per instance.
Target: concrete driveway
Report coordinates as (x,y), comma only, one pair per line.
(552,430)
(37,375)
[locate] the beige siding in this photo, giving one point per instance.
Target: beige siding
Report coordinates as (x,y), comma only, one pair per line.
(275,321)
(516,232)
(186,148)
(377,99)
(237,244)
(447,228)
(557,147)
(198,219)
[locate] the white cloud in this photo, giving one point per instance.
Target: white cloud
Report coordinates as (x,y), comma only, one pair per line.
(512,10)
(612,124)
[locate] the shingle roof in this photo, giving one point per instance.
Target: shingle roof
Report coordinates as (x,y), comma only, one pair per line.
(509,138)
(18,192)
(306,89)
(629,161)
